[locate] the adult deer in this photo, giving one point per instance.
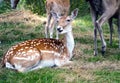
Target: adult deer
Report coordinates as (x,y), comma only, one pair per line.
(14,3)
(44,52)
(61,7)
(107,9)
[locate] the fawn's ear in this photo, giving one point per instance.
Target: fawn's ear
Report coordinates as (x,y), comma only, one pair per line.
(74,13)
(55,15)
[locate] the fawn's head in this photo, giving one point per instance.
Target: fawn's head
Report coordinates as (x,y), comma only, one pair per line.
(64,22)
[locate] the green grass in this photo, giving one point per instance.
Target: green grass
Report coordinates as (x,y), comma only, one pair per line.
(45,75)
(40,76)
(86,69)
(107,76)
(4,7)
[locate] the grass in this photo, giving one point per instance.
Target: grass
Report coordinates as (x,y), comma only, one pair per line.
(19,25)
(107,76)
(40,76)
(4,7)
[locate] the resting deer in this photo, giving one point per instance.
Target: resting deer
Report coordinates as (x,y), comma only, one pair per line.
(61,7)
(44,52)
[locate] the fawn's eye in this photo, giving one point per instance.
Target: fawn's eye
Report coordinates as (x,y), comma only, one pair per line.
(68,20)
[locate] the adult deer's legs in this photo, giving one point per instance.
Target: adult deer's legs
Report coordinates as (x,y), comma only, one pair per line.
(106,15)
(57,36)
(111,29)
(47,24)
(51,29)
(14,3)
(94,18)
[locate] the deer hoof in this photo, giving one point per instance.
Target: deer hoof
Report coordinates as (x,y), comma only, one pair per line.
(103,53)
(95,53)
(103,50)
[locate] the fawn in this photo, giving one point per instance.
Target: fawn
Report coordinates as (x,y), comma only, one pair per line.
(43,52)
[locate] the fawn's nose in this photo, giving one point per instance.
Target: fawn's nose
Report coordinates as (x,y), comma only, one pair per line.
(59,29)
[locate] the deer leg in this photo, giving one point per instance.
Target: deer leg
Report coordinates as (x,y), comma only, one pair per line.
(51,28)
(47,24)
(12,3)
(106,15)
(16,3)
(94,18)
(102,37)
(42,64)
(95,40)
(57,36)
(36,67)
(111,29)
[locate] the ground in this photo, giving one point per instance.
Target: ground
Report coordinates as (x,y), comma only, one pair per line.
(20,25)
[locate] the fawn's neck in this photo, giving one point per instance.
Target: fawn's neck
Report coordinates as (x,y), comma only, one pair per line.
(69,42)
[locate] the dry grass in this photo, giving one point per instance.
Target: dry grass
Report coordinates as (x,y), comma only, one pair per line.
(23,16)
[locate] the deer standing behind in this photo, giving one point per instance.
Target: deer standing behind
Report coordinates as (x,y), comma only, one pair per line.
(61,7)
(107,9)
(44,52)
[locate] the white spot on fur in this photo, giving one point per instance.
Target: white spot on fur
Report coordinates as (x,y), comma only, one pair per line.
(26,47)
(30,51)
(31,47)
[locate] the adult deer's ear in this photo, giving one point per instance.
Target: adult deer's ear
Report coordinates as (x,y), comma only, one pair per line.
(55,15)
(74,13)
